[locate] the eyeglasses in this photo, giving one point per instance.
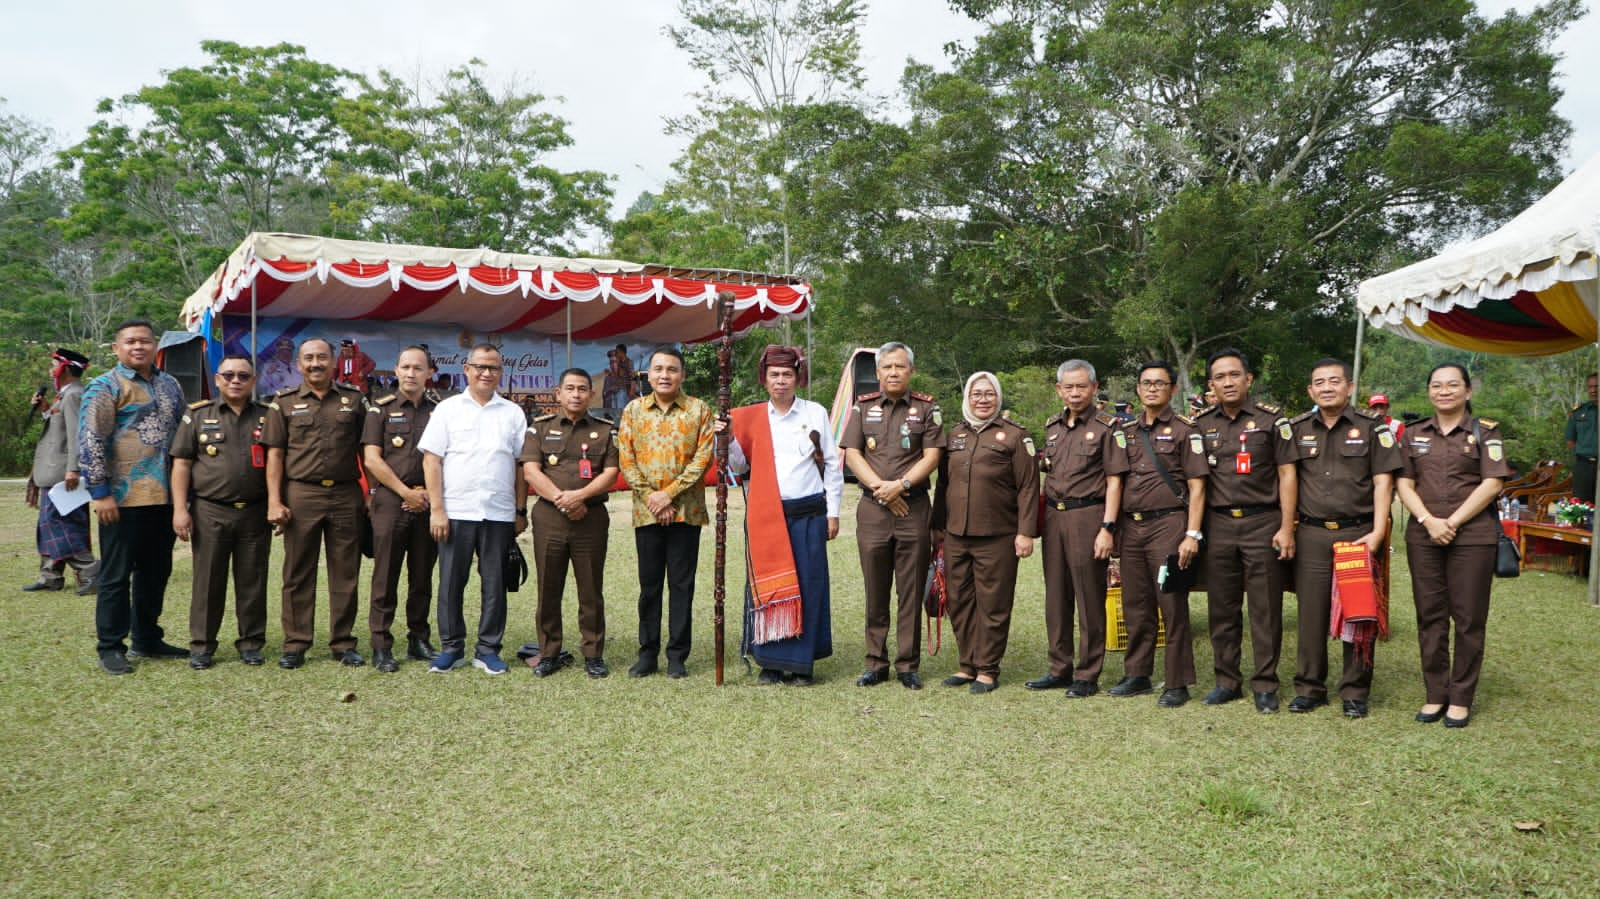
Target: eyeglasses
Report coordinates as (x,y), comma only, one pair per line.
(1152,384)
(983,395)
(235,375)
(483,368)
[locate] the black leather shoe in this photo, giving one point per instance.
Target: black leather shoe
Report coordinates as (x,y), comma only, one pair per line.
(1427,718)
(1454,723)
(596,667)
(38,586)
(252,657)
(1302,704)
(1171,699)
(769,677)
(418,649)
(957,680)
(677,670)
(1220,695)
(348,658)
(114,661)
(644,667)
(873,677)
(199,661)
(1048,682)
(89,587)
(384,660)
(1267,703)
(1131,686)
(910,680)
(291,660)
(546,667)
(1082,689)
(162,650)
(979,687)
(1355,708)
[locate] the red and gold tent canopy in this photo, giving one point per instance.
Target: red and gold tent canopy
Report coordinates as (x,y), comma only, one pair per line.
(296,275)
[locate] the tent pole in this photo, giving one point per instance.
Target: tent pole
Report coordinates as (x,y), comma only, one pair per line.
(255,353)
(1361,328)
(569,333)
(1594,545)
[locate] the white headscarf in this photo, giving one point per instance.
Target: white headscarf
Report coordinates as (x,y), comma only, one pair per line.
(966,406)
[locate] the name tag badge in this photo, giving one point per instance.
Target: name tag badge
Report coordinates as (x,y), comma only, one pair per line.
(585,470)
(1241,463)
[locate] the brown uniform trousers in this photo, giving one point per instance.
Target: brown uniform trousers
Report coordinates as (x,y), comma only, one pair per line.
(894,547)
(1144,547)
(1451,583)
(1241,565)
(986,567)
(1073,576)
(558,541)
(1313,578)
(399,537)
(330,516)
(225,532)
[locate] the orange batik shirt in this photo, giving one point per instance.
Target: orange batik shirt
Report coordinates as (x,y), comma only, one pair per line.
(667,449)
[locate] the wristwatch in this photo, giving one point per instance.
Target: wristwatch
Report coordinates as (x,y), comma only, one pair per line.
(906,483)
(1196,536)
(1110,527)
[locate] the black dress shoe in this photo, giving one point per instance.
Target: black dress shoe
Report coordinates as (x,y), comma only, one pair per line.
(769,677)
(1048,682)
(348,658)
(161,650)
(1082,689)
(910,680)
(1454,723)
(1267,703)
(1302,704)
(1220,694)
(1429,718)
(199,661)
(677,670)
(384,660)
(114,661)
(1355,708)
(1131,686)
(1171,699)
(418,649)
(596,667)
(979,687)
(291,660)
(873,677)
(546,667)
(957,680)
(37,586)
(644,667)
(252,657)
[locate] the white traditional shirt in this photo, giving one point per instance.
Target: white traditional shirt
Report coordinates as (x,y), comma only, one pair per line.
(479,447)
(793,450)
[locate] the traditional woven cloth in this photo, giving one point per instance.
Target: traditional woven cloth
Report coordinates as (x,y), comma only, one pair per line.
(61,536)
(1360,609)
(775,585)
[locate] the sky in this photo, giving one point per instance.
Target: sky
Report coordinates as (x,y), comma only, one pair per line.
(619,76)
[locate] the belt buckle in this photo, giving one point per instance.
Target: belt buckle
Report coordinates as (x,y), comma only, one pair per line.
(240,505)
(1236,512)
(326,483)
(1331,525)
(1136,516)
(1060,507)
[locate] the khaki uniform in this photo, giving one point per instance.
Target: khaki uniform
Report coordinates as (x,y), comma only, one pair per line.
(1153,521)
(394,424)
(321,440)
(1242,514)
(1451,582)
(560,446)
(1335,466)
(228,504)
(891,435)
(1074,461)
(988,496)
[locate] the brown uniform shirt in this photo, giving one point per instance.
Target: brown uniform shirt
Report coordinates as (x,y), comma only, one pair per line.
(1075,455)
(395,424)
(891,434)
(321,438)
(1260,430)
(988,482)
(560,445)
(1178,444)
(220,442)
(1447,468)
(1336,464)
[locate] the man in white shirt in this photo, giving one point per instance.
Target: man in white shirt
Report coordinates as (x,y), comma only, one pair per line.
(476,495)
(794,492)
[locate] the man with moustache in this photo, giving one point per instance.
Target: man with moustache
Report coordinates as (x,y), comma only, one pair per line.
(313,439)
(125,430)
(569,461)
(62,540)
(1081,504)
(1252,494)
(892,445)
(399,510)
(219,504)
(1345,469)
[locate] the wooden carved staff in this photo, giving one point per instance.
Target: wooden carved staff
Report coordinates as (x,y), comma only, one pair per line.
(719,575)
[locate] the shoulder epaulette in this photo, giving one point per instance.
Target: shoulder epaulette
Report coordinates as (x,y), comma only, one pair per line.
(1489,422)
(1269,408)
(925,397)
(288,390)
(198,403)
(545,417)
(387,399)
(603,420)
(877,393)
(1059,416)
(1367,413)
(1206,411)
(1183,418)
(1105,418)
(1576,407)
(1304,416)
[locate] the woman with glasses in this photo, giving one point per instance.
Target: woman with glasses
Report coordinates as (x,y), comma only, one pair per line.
(1454,468)
(986,512)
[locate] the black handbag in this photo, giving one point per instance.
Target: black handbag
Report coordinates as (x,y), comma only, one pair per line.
(516,570)
(1507,560)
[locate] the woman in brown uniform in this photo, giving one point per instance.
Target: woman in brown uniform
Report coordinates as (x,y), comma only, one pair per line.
(987,508)
(1454,467)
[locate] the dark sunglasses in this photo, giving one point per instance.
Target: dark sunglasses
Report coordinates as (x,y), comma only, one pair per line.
(235,375)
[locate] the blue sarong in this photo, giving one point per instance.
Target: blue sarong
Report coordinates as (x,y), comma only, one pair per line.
(808,539)
(61,536)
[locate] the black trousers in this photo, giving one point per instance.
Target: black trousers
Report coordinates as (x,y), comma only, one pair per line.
(490,541)
(672,552)
(135,562)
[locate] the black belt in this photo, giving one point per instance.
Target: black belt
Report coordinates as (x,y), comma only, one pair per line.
(235,505)
(1154,514)
(1244,511)
(1335,524)
(1074,502)
(813,506)
(325,482)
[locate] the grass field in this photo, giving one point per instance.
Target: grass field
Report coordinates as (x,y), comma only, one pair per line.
(265,782)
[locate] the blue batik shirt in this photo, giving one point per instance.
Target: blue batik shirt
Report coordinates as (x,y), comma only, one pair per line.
(125,429)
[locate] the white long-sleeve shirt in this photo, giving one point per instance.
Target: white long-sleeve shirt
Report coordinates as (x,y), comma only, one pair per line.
(792,450)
